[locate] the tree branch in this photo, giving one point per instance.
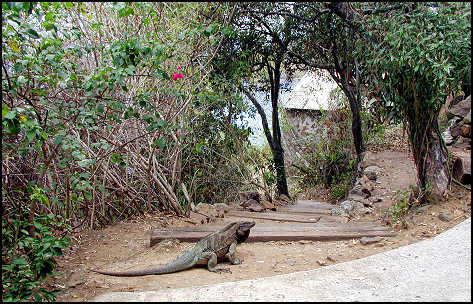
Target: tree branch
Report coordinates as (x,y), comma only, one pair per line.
(260,110)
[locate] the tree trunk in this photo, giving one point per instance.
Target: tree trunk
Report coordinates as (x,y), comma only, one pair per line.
(274,140)
(431,159)
(276,147)
(356,125)
(278,157)
(354,99)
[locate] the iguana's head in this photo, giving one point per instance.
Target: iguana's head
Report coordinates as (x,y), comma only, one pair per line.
(243,231)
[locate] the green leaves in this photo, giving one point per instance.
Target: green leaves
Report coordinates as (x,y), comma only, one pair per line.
(116,158)
(23,273)
(414,52)
(32,33)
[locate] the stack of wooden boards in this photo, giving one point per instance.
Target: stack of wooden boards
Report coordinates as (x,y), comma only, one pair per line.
(306,220)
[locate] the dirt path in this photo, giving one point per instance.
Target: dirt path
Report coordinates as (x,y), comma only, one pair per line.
(123,246)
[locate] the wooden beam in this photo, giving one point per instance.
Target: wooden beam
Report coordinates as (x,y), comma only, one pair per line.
(279,232)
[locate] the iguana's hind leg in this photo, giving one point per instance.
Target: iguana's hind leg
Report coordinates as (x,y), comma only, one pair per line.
(231,255)
(212,262)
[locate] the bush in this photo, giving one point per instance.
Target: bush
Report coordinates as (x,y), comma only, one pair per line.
(27,260)
(328,155)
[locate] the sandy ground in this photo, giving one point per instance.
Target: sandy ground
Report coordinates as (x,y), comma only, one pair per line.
(124,245)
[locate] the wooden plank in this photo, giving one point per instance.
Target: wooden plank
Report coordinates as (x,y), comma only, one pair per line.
(310,204)
(303,211)
(285,227)
(275,232)
(265,236)
(321,236)
(275,216)
(307,207)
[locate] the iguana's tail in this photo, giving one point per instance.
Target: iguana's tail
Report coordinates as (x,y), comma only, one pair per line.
(183,262)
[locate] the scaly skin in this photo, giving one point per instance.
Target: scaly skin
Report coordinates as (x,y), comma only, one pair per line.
(209,250)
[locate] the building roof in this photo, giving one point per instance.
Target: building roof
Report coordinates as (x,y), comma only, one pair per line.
(312,92)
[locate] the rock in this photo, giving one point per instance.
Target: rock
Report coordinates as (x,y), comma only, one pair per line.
(338,211)
(291,261)
(461,170)
(447,137)
(367,203)
(460,109)
(452,131)
(360,190)
(467,118)
(331,259)
(248,203)
(305,242)
(456,100)
(444,217)
(372,172)
(321,263)
(256,208)
(247,195)
(366,183)
(252,205)
(74,280)
(221,207)
(456,129)
(375,199)
(367,160)
(369,240)
(268,205)
(422,209)
(284,198)
(347,206)
(356,197)
(206,209)
(465,130)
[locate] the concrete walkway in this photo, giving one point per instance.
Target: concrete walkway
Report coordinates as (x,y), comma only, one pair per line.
(438,269)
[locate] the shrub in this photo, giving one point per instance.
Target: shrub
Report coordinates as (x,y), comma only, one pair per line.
(27,260)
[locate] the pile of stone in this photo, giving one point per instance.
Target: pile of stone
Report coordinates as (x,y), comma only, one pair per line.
(359,200)
(459,121)
(251,201)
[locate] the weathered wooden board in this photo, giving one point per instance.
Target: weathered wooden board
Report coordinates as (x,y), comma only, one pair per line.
(278,232)
(362,226)
(275,216)
(306,220)
(308,205)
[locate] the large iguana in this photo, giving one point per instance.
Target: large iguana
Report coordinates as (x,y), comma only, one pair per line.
(209,250)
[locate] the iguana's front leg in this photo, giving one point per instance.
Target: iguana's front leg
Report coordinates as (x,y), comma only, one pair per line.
(231,255)
(212,262)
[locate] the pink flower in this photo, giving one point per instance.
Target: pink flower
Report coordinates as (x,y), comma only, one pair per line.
(176,76)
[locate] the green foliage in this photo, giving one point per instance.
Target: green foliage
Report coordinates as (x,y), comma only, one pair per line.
(424,55)
(414,57)
(27,260)
(404,201)
(329,158)
(84,102)
(401,205)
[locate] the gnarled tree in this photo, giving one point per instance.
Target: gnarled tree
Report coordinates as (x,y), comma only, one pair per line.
(420,55)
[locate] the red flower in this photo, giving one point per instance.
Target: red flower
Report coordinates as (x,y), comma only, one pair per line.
(176,75)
